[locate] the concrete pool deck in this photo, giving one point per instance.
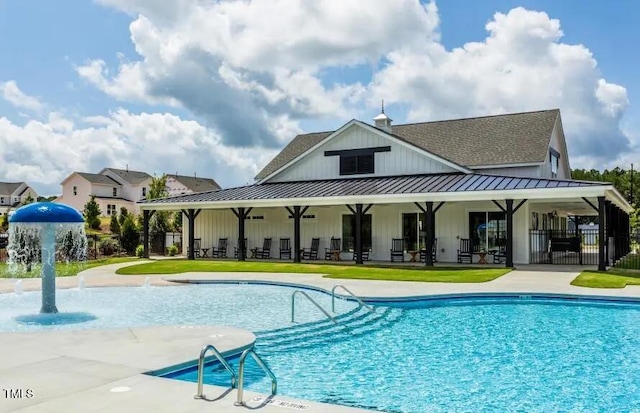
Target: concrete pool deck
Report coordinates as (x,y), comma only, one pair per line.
(102,370)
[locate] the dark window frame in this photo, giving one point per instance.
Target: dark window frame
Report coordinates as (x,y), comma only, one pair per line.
(357,164)
(348,226)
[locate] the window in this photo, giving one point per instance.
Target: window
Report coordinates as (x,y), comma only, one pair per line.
(487,230)
(349,229)
(111,209)
(357,164)
(1,200)
(414,231)
(554,158)
(75,190)
(144,191)
(115,191)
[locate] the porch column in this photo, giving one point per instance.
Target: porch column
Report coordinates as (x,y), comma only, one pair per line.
(146,217)
(430,218)
(619,232)
(191,217)
(358,234)
(296,234)
(241,247)
(602,235)
(509,241)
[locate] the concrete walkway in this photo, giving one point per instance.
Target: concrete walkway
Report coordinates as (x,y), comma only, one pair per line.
(102,370)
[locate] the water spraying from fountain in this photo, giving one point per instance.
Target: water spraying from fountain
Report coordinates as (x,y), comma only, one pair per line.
(147,282)
(17,287)
(43,232)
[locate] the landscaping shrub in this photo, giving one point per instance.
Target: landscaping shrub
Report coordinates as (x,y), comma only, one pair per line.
(108,246)
(129,237)
(140,251)
(172,250)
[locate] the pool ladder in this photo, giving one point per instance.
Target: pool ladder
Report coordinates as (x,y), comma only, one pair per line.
(235,381)
(333,298)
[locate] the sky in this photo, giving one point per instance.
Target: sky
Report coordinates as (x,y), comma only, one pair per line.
(217,88)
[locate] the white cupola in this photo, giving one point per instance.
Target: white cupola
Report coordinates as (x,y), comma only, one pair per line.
(382,121)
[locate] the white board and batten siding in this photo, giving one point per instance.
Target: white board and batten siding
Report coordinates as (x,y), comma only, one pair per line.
(452,223)
(520,171)
(402,160)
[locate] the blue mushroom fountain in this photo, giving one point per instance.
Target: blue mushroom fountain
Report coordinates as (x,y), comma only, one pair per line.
(45,231)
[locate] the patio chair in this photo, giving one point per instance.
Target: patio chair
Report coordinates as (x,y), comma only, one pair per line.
(434,250)
(365,255)
(236,250)
(500,255)
(196,248)
(221,250)
(311,253)
(264,252)
(285,248)
(465,252)
(333,252)
(397,249)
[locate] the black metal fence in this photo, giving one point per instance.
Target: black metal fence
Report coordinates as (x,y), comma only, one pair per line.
(564,247)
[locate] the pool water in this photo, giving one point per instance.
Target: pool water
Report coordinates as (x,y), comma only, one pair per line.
(249,306)
(475,356)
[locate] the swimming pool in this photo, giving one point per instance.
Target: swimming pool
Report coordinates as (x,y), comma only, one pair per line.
(464,355)
(249,306)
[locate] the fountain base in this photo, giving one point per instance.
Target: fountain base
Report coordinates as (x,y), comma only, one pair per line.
(52,319)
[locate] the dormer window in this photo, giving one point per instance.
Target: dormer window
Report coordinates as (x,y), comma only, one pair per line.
(554,158)
(357,161)
(115,191)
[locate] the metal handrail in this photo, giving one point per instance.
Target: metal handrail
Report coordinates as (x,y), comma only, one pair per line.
(293,306)
(222,361)
(333,299)
(265,368)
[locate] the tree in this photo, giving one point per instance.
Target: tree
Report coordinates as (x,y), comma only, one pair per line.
(159,223)
(28,200)
(123,215)
(5,221)
(92,213)
(129,238)
(114,226)
(177,221)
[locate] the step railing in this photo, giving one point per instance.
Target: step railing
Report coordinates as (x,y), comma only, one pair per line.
(216,353)
(263,366)
(333,298)
(293,306)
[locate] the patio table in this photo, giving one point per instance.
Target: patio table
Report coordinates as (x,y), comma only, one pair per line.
(413,254)
(483,257)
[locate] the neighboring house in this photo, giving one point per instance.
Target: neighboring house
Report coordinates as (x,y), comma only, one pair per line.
(113,189)
(117,188)
(12,194)
(500,184)
(181,185)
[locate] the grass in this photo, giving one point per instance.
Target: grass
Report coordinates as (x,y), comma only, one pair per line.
(614,278)
(369,272)
(64,269)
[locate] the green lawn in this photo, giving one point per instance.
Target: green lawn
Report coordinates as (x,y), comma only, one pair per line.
(368,272)
(614,278)
(65,270)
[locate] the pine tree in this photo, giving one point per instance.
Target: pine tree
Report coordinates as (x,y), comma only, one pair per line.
(92,213)
(114,226)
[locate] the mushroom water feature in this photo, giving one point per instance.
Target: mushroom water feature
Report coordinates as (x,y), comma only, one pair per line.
(46,231)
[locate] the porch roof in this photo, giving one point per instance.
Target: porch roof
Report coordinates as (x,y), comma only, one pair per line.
(390,189)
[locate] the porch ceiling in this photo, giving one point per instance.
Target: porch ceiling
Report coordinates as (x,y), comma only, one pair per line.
(455,187)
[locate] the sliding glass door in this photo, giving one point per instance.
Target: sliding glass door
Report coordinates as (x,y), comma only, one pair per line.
(414,231)
(487,230)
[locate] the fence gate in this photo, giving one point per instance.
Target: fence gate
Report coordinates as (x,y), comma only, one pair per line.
(564,247)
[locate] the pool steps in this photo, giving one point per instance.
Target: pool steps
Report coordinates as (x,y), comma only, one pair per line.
(357,322)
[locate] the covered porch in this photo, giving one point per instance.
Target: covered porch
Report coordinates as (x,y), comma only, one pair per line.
(468,218)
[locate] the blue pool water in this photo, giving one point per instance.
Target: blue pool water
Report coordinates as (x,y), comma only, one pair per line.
(503,355)
(249,306)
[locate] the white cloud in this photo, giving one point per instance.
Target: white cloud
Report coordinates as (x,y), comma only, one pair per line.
(520,66)
(12,94)
(43,153)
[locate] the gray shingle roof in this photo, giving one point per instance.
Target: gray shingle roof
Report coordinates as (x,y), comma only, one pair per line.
(386,185)
(8,188)
(98,179)
(197,184)
(489,140)
(132,177)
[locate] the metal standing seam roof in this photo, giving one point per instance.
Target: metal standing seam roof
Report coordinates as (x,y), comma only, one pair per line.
(406,184)
(488,140)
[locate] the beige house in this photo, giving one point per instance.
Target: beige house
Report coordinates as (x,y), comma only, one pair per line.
(12,194)
(465,190)
(117,188)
